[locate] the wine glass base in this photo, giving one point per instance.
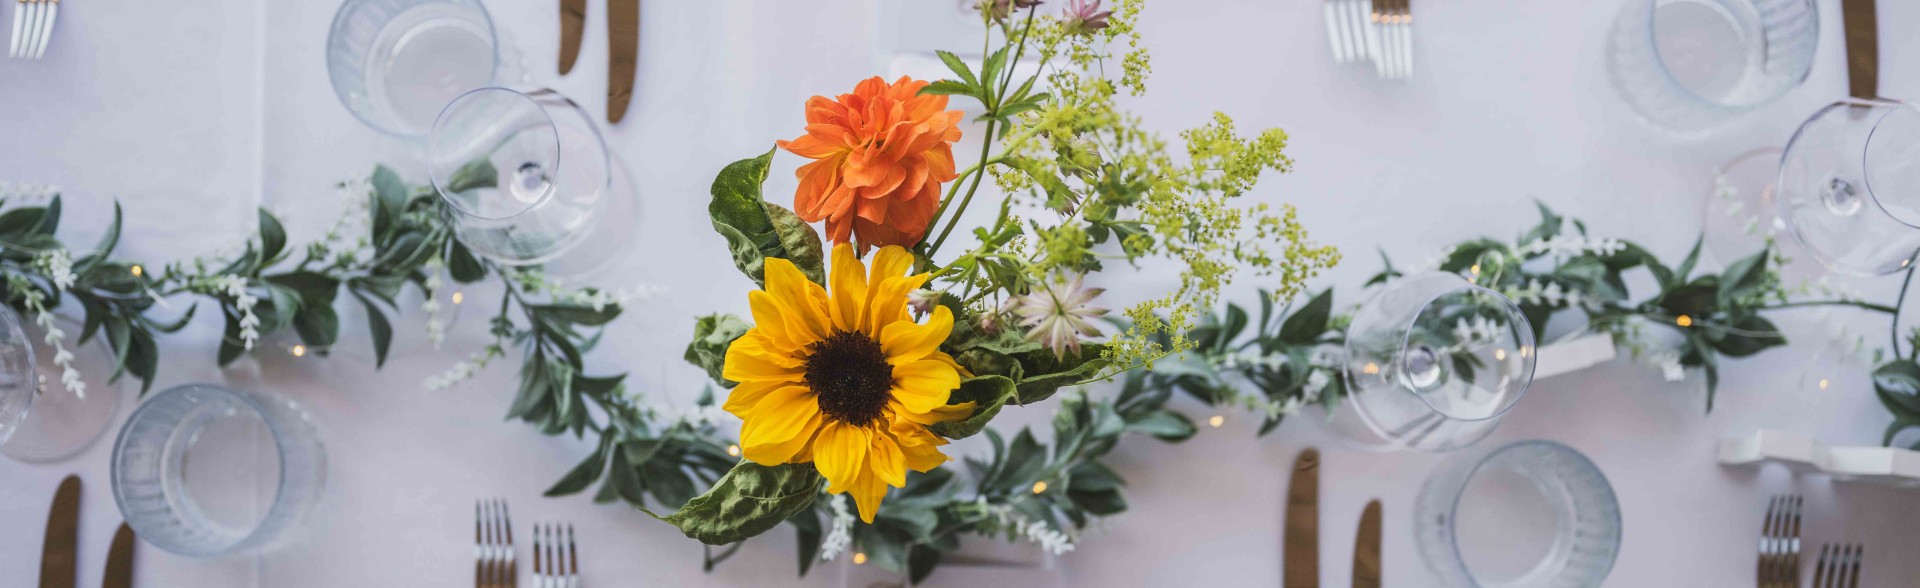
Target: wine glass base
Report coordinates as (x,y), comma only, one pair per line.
(62,424)
(597,258)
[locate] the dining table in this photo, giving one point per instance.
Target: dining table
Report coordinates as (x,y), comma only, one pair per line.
(192,114)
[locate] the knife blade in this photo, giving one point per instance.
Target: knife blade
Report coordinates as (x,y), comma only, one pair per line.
(573,25)
(623,46)
(120,560)
(1862,28)
(63,534)
(1366,548)
(1300,561)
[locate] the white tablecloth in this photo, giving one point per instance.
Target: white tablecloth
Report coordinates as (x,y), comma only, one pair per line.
(194,112)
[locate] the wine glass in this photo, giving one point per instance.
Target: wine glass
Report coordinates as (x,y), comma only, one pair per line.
(395,63)
(521,172)
(1849,186)
(42,419)
(1433,362)
(1689,65)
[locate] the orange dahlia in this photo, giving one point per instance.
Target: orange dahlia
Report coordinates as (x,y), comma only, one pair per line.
(880,155)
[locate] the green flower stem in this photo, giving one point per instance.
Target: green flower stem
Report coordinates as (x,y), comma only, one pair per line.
(1881,308)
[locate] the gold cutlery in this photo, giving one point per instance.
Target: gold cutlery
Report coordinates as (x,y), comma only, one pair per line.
(1300,561)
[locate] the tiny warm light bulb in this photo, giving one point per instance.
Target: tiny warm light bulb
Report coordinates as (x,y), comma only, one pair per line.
(1371,368)
(1684,321)
(1500,354)
(733,450)
(1824,383)
(298,351)
(1039,487)
(137,270)
(1475,269)
(1217,420)
(459,297)
(859,558)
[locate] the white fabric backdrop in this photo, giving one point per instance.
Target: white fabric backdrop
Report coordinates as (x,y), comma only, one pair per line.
(194,112)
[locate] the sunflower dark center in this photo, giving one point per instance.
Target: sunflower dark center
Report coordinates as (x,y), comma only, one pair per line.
(850,377)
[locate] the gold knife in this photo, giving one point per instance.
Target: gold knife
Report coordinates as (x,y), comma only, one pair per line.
(573,25)
(63,534)
(1300,561)
(120,560)
(1862,28)
(1366,548)
(623,45)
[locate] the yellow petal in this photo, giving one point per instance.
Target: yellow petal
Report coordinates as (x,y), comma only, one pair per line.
(867,491)
(951,412)
(750,359)
(840,453)
(888,303)
(802,302)
(790,451)
(744,396)
(769,321)
(886,461)
(849,280)
(778,417)
(906,342)
(924,386)
(891,262)
(925,456)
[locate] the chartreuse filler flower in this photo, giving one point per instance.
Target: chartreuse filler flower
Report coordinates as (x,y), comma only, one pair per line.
(844,378)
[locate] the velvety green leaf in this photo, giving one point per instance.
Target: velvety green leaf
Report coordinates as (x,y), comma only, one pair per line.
(1102,503)
(1748,336)
(379,327)
(461,263)
(1744,278)
(921,560)
(799,242)
(1165,425)
(742,217)
(1685,269)
(1042,374)
(580,315)
(582,475)
(231,346)
(746,502)
(712,335)
(988,394)
(1306,325)
(318,325)
(389,198)
(1897,384)
(273,237)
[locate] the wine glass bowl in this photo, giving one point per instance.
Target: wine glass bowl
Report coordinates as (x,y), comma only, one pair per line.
(1849,186)
(19,380)
(1690,65)
(522,174)
(1433,362)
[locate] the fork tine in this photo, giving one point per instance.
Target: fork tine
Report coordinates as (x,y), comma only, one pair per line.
(29,24)
(1853,568)
(1764,570)
(19,15)
(53,12)
(1794,548)
(1329,13)
(1406,38)
(539,556)
(573,557)
(1823,567)
(39,9)
(1777,550)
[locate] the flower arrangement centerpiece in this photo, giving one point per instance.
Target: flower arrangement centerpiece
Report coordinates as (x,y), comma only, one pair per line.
(876,340)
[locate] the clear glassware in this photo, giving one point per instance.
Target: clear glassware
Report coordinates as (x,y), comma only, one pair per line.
(522,173)
(205,471)
(62,423)
(1690,65)
(19,382)
(395,63)
(1433,362)
(1526,514)
(1849,186)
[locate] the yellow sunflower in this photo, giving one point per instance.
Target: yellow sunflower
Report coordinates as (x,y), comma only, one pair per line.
(847,381)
